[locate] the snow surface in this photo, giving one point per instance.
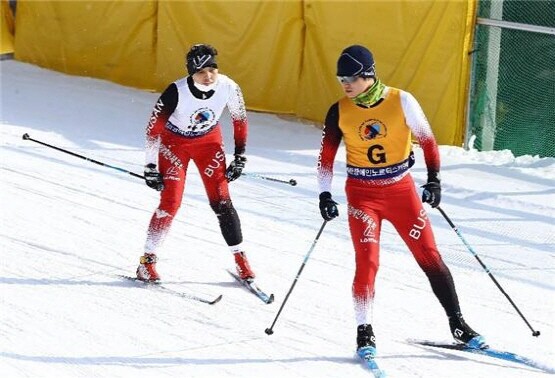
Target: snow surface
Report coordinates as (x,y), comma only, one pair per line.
(69,227)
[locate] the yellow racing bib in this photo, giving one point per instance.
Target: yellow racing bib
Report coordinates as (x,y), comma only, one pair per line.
(377,140)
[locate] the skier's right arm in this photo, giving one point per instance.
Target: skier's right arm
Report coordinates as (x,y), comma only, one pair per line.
(161,112)
(331,138)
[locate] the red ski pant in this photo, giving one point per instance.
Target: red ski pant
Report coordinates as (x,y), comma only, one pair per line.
(400,204)
(208,155)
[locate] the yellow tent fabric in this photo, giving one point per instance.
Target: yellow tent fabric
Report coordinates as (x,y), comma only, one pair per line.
(418,46)
(112,40)
(282,53)
(7,20)
(259,45)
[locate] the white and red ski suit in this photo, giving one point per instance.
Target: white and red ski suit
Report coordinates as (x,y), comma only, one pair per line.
(184,126)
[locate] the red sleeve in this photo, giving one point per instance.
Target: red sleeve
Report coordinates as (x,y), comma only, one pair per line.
(240,130)
(331,138)
(431,156)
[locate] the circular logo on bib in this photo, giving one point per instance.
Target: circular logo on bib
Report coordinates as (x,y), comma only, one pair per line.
(372,129)
(201,119)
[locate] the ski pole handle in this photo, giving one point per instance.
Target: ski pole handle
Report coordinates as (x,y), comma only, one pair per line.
(27,137)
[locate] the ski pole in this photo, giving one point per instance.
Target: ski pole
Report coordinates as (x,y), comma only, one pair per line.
(27,137)
(270,331)
(534,332)
(291,182)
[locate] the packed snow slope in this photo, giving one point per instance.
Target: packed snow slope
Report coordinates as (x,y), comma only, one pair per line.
(69,227)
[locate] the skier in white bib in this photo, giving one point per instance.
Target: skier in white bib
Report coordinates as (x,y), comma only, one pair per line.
(184,126)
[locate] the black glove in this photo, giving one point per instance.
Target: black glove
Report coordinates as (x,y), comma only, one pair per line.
(328,207)
(153,178)
(236,167)
(432,190)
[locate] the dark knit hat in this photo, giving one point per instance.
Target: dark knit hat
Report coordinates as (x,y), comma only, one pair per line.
(201,56)
(356,60)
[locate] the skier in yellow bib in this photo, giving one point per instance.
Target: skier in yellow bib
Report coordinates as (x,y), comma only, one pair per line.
(376,123)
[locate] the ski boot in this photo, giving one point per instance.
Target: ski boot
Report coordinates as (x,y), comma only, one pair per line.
(146,271)
(243,268)
(462,333)
(366,341)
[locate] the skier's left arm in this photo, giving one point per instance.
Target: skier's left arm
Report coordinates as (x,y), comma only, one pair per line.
(422,131)
(236,107)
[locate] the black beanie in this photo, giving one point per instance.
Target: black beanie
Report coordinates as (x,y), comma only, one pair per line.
(356,60)
(201,56)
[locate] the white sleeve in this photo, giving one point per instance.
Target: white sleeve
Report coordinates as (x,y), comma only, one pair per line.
(422,131)
(236,102)
(415,117)
(151,150)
